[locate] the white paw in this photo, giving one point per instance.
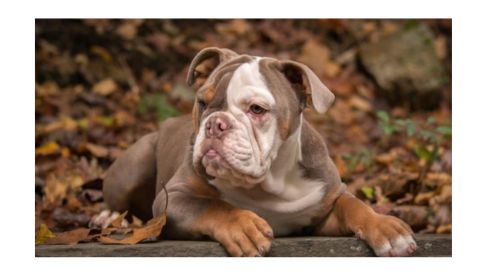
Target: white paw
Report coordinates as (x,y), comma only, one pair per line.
(104,219)
(401,246)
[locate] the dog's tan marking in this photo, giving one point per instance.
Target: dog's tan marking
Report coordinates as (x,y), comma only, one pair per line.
(284,128)
(209,94)
(241,232)
(201,188)
(195,116)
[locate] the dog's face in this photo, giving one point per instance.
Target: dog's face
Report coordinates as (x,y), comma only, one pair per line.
(245,108)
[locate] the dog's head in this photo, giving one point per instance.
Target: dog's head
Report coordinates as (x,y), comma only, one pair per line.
(245,108)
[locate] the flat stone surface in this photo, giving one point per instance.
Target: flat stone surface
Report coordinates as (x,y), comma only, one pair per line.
(428,246)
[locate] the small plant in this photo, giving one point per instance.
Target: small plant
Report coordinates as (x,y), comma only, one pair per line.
(390,126)
(362,159)
(159,104)
(428,136)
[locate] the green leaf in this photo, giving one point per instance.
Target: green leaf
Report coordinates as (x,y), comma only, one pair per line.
(164,109)
(106,120)
(445,130)
(428,136)
(431,120)
(383,116)
(424,153)
(389,129)
(159,104)
(411,127)
(400,122)
(368,192)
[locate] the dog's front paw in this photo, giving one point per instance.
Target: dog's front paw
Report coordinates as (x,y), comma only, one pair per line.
(243,233)
(389,237)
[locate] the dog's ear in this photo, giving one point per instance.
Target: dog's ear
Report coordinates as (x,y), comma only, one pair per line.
(205,62)
(305,82)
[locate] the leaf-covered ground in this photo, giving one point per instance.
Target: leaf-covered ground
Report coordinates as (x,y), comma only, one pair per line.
(102,84)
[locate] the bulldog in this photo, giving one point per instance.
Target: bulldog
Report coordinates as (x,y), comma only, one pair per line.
(247,166)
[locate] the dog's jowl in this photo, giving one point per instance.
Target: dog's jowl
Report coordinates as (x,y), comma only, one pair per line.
(246,166)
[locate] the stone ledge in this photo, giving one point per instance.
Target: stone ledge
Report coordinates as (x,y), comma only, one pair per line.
(429,245)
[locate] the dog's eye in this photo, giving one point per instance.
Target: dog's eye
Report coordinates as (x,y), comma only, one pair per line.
(257,110)
(201,104)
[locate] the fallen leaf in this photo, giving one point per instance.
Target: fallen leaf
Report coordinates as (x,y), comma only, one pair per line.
(443,229)
(136,223)
(127,30)
(415,216)
(105,87)
(55,189)
(47,88)
(441,47)
(360,104)
(97,150)
(49,148)
(151,230)
(43,234)
(423,198)
(317,56)
(235,26)
(69,237)
(102,53)
(436,179)
(444,194)
(117,222)
(341,165)
(368,192)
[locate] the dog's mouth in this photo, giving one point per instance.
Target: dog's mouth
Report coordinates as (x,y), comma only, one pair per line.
(216,161)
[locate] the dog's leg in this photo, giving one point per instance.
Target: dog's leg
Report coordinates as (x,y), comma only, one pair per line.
(387,235)
(129,183)
(241,232)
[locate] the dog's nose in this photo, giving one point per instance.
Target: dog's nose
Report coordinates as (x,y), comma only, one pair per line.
(216,126)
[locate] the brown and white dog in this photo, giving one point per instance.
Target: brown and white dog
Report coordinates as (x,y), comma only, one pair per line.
(248,167)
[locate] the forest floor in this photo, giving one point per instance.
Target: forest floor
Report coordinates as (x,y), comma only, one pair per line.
(102,84)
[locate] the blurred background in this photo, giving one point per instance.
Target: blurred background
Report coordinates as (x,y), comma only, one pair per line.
(101,84)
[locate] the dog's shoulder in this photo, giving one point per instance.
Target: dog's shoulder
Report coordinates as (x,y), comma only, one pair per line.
(316,161)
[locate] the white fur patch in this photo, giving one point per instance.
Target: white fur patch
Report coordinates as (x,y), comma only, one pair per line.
(401,246)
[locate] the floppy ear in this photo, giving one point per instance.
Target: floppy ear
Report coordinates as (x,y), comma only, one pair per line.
(205,62)
(303,80)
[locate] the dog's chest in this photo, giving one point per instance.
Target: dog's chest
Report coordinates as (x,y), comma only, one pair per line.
(288,204)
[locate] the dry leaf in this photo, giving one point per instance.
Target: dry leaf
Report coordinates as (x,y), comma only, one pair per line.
(360,104)
(55,189)
(341,165)
(317,56)
(49,148)
(136,223)
(117,222)
(151,230)
(97,150)
(415,216)
(127,30)
(43,234)
(47,88)
(235,26)
(423,198)
(69,237)
(443,229)
(105,87)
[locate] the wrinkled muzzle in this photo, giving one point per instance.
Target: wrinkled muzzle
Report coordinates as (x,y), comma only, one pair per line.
(227,149)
